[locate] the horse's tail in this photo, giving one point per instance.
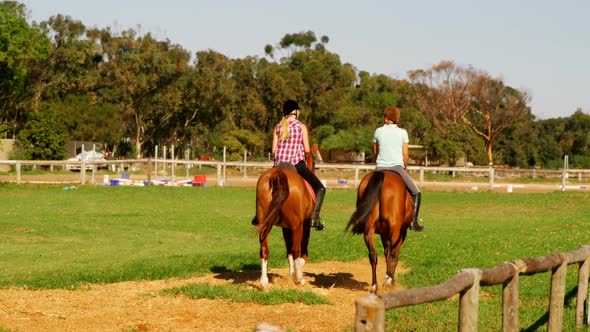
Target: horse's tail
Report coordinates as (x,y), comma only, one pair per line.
(365,205)
(279,188)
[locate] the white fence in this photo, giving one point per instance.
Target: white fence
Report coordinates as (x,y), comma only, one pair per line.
(351,173)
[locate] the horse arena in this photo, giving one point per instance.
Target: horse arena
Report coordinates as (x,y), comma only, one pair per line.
(138,306)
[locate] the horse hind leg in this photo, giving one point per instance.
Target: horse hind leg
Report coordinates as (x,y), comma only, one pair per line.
(392,258)
(369,241)
(389,277)
(291,266)
(264,254)
(264,275)
(296,270)
(299,263)
(296,261)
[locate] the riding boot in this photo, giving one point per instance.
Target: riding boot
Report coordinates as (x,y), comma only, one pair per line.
(415,225)
(315,216)
(254,221)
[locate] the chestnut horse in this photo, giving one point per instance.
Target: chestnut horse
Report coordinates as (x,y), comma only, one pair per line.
(385,207)
(283,199)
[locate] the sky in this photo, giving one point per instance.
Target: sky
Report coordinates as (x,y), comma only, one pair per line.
(541,47)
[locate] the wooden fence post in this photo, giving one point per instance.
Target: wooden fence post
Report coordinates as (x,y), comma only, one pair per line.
(510,301)
(18,177)
(583,275)
(370,314)
(173,164)
(83,172)
(220,180)
(148,171)
(557,297)
(469,303)
(491,178)
(421,183)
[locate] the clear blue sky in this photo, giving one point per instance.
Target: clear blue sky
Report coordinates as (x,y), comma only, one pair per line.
(541,47)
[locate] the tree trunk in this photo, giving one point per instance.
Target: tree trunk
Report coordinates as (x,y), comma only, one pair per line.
(138,142)
(489,152)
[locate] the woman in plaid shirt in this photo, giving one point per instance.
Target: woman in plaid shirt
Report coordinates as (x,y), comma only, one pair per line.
(290,143)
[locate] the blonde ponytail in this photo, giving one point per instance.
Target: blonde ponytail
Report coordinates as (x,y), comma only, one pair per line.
(285,128)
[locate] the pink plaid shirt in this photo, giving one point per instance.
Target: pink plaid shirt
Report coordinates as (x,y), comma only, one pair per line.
(291,149)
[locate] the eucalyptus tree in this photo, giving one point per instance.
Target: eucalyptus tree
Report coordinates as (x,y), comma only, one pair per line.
(22,46)
(295,42)
(140,71)
(206,91)
(276,83)
(323,75)
(451,95)
(68,81)
(495,107)
(72,63)
(321,72)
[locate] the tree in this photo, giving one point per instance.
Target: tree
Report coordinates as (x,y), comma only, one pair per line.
(451,95)
(21,47)
(42,138)
(72,63)
(494,108)
(295,42)
(206,94)
(443,93)
(140,72)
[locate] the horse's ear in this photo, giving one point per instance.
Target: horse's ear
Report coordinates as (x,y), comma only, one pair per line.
(309,161)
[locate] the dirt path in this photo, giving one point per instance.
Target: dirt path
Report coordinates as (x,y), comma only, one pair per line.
(136,306)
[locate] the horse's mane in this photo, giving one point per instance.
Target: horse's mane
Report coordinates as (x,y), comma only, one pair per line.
(371,194)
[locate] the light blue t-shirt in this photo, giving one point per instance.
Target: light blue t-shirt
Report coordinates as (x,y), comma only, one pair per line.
(390,139)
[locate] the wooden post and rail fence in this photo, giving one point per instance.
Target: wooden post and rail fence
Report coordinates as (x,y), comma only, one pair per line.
(370,309)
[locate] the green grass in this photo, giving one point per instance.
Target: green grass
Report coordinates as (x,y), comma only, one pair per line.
(55,238)
(243,294)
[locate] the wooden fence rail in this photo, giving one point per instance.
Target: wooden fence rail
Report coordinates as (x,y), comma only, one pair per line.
(467,283)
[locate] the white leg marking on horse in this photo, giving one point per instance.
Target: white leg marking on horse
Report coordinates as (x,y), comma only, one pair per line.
(264,276)
(388,280)
(299,263)
(373,288)
(291,265)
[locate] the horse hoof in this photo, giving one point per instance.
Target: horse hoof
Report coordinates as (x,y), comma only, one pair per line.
(264,283)
(388,281)
(373,289)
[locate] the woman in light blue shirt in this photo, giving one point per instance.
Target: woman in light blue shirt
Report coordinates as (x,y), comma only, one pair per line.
(391,152)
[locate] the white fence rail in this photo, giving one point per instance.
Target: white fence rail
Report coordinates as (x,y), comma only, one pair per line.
(354,172)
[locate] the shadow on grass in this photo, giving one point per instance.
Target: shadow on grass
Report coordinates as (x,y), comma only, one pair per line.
(543,320)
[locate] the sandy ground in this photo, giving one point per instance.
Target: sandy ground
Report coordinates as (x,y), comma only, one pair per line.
(137,305)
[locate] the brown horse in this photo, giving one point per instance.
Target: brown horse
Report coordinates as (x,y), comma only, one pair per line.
(284,200)
(384,207)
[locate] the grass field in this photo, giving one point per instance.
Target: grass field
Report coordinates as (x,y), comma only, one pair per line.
(56,238)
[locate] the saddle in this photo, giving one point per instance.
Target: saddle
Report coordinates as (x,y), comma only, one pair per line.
(291,167)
